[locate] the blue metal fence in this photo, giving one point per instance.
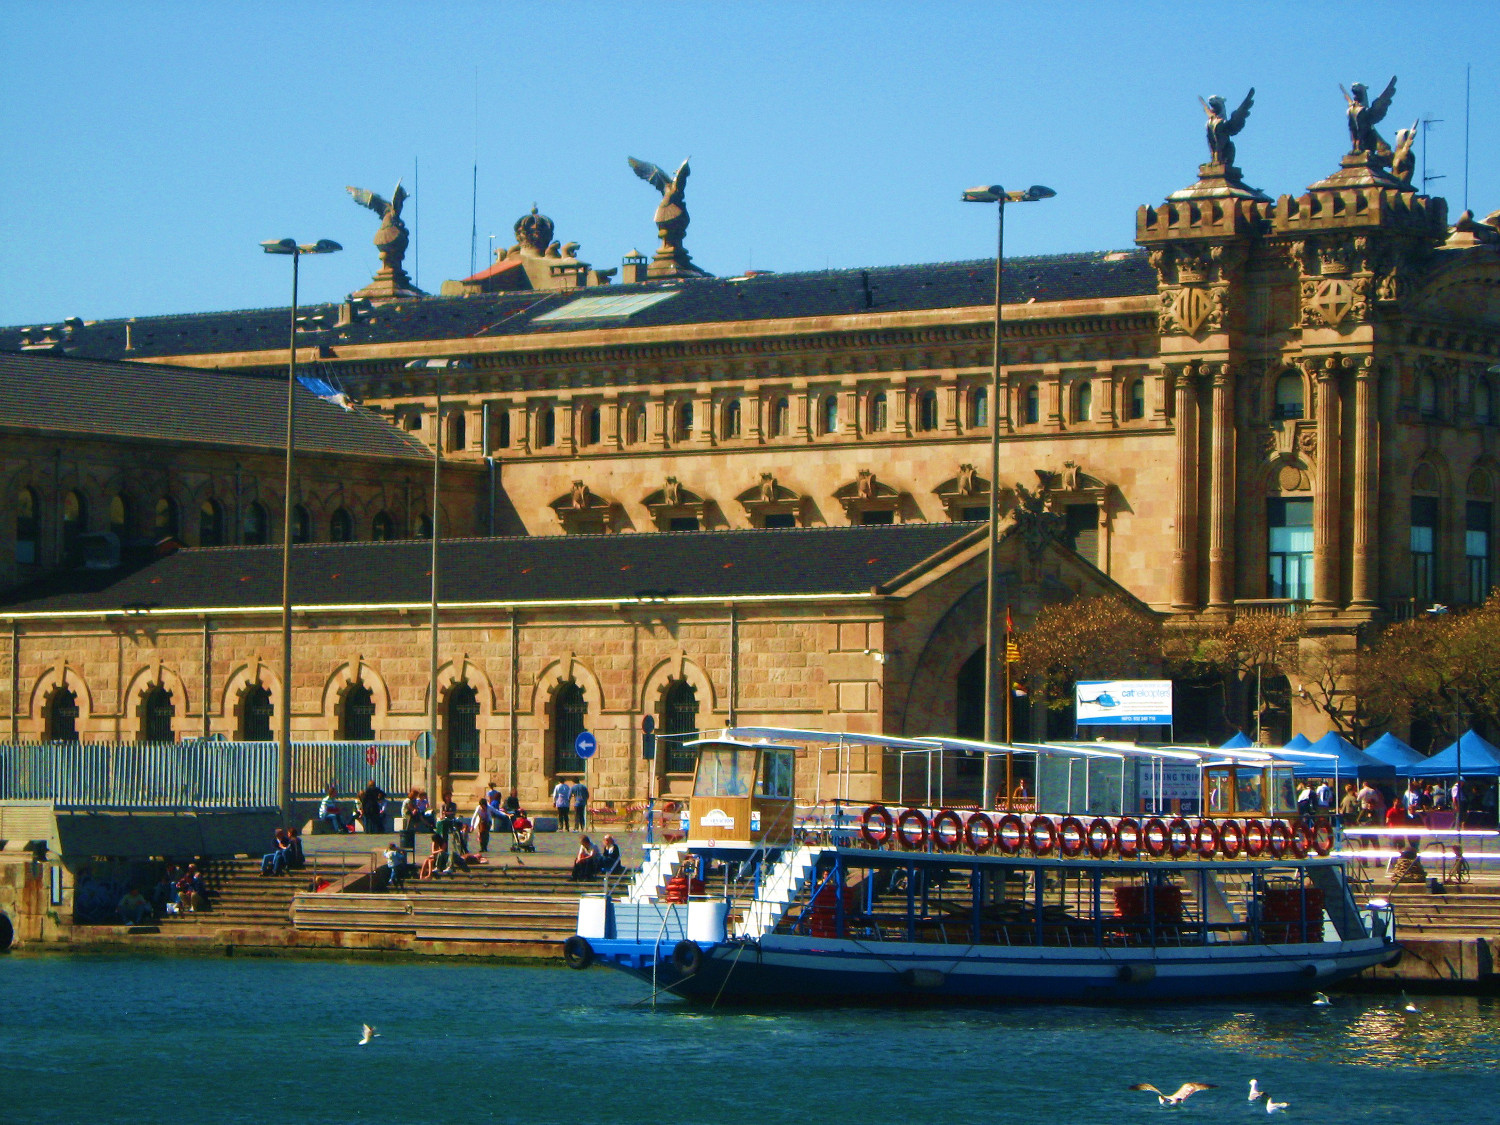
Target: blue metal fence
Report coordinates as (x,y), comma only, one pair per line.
(192,775)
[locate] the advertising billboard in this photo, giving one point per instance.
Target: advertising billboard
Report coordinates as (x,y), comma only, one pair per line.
(1121,703)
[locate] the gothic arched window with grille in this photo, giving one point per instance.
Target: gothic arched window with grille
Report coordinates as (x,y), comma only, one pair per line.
(463,729)
(570,712)
(679,721)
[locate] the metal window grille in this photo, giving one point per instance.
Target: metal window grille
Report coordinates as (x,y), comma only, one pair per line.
(463,729)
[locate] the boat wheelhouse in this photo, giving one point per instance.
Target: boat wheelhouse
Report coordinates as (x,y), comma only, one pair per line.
(1118,892)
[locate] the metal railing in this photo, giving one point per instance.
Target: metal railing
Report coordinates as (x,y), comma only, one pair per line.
(1277,607)
(192,775)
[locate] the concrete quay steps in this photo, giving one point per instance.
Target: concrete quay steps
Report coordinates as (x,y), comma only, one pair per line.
(242,896)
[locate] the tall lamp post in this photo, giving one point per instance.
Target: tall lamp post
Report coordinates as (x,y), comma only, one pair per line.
(997,195)
(284,734)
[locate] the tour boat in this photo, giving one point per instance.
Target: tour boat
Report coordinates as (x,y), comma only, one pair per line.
(1100,900)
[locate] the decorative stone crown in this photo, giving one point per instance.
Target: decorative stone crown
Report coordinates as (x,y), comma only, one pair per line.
(534,232)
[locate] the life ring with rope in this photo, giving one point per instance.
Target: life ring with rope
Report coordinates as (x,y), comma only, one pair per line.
(1231,839)
(877,825)
(1322,838)
(1155,837)
(1179,837)
(1255,839)
(909,840)
(1101,837)
(948,842)
(979,833)
(1277,838)
(1071,837)
(1042,826)
(1299,841)
(1128,837)
(1206,845)
(1010,834)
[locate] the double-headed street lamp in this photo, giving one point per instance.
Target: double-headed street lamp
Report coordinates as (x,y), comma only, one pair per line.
(996,194)
(284,735)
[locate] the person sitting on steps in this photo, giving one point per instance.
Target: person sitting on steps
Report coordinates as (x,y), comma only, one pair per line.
(329,812)
(586,862)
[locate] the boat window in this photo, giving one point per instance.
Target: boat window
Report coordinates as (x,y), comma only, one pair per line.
(1249,794)
(776,770)
(1219,786)
(1283,791)
(724,771)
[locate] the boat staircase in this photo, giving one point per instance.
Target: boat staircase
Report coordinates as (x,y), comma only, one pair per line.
(650,882)
(782,886)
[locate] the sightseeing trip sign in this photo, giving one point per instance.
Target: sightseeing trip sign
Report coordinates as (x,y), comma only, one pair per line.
(1112,703)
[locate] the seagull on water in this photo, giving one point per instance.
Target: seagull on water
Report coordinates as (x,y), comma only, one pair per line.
(1182,1094)
(1320,1000)
(1256,1093)
(1275,1107)
(368,1035)
(1407,1005)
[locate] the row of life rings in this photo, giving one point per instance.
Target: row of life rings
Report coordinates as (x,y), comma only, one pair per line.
(1127,837)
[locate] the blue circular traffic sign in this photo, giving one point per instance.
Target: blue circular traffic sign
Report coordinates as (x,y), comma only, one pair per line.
(585,744)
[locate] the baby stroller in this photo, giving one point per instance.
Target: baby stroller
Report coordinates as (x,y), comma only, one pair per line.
(521,833)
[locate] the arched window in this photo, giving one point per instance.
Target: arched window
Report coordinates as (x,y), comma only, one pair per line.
(830,414)
(732,422)
(927,410)
(62,716)
(679,720)
(1083,402)
(880,418)
(1484,411)
(1031,405)
(682,426)
(358,718)
(210,524)
(593,427)
(255,525)
(157,712)
(502,437)
(979,407)
(463,729)
(1427,395)
(1137,399)
(781,417)
(340,526)
(75,518)
(458,430)
(166,518)
(570,712)
(424,526)
(1289,401)
(301,525)
(382,527)
(255,714)
(28,538)
(119,516)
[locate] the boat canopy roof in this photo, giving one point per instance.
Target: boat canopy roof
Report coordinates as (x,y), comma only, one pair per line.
(726,740)
(826,737)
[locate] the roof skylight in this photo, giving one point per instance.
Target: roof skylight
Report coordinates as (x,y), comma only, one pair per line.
(605,308)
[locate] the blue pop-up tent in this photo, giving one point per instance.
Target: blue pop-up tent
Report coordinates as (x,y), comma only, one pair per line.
(1238,742)
(1470,755)
(1391,750)
(1298,742)
(1345,760)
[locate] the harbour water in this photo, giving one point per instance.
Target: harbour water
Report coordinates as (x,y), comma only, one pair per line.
(269,1041)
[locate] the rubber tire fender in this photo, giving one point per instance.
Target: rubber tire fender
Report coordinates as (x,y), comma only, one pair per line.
(577,952)
(687,957)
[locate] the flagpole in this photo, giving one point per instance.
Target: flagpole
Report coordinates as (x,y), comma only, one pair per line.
(1010,756)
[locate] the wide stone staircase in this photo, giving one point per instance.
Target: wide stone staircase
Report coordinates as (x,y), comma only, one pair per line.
(242,897)
(1457,914)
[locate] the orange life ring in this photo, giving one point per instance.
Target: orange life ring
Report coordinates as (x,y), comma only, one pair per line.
(1128,837)
(980,842)
(1255,839)
(1322,838)
(1299,841)
(908,840)
(877,814)
(1277,838)
(1010,834)
(1206,847)
(1040,825)
(1101,837)
(951,842)
(1155,837)
(1231,839)
(1071,836)
(1179,837)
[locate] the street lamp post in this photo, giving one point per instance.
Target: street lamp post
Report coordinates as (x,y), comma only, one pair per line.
(997,195)
(284,733)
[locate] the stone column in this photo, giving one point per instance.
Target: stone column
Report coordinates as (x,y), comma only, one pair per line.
(1364,574)
(1327,511)
(1185,512)
(1222,493)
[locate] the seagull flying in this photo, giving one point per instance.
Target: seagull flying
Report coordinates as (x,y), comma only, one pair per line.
(1275,1107)
(1320,1000)
(1407,1005)
(368,1036)
(1256,1092)
(1185,1091)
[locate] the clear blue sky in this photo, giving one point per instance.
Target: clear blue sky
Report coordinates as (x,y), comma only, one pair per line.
(151,147)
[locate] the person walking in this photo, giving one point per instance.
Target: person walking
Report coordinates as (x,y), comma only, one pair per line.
(578,794)
(560,797)
(372,807)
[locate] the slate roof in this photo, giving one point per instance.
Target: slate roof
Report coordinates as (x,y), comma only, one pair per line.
(181,405)
(715,564)
(767,296)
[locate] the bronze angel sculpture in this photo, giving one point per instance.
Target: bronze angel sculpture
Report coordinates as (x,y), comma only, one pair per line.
(1220,128)
(671,213)
(1364,115)
(391,238)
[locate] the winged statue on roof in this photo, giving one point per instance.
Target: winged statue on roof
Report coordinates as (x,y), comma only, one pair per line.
(390,240)
(1364,115)
(1221,128)
(671,218)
